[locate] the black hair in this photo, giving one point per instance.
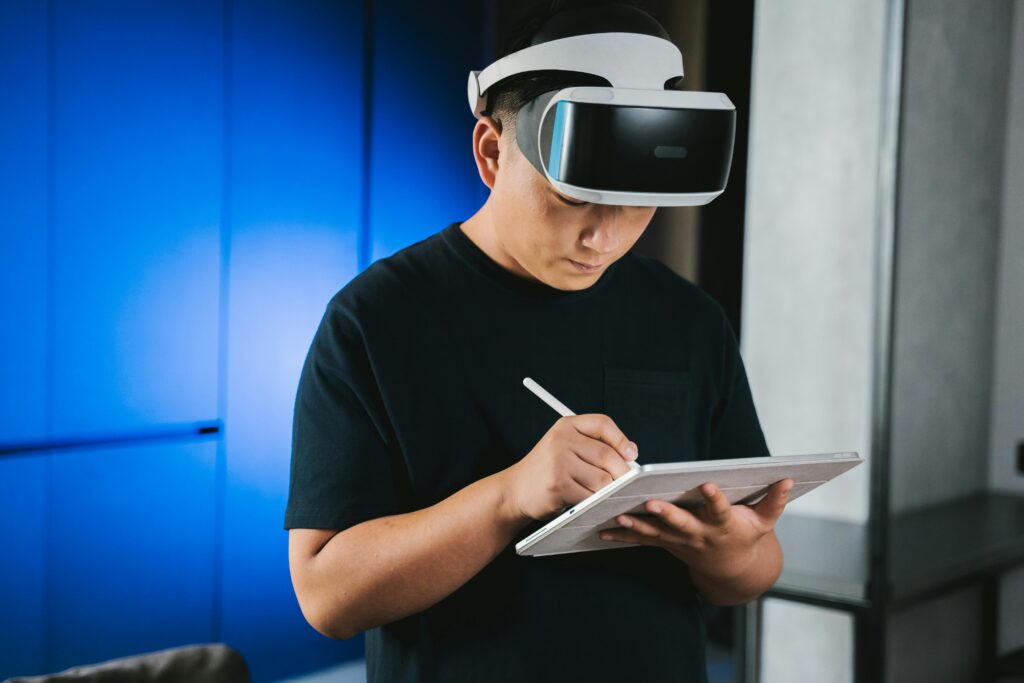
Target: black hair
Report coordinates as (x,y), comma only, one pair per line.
(549,21)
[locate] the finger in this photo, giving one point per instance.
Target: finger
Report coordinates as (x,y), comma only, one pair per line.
(771,506)
(576,492)
(651,527)
(592,478)
(600,454)
(603,428)
(628,536)
(718,510)
(682,522)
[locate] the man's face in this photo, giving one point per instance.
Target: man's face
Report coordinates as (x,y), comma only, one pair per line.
(544,231)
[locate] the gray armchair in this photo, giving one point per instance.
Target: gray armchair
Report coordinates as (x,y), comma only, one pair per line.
(210,663)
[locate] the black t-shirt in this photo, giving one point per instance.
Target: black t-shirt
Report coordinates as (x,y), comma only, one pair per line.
(413,389)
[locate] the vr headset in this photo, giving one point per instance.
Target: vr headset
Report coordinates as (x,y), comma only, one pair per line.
(631,144)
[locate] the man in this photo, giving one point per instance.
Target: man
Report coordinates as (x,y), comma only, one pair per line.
(419,458)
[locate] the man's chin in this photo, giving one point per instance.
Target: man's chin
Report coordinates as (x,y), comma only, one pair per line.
(575,282)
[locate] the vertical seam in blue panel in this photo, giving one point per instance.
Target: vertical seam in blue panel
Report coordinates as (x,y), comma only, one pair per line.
(365,235)
(51,184)
(220,475)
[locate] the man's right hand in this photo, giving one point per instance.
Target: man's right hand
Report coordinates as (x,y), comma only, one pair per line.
(579,455)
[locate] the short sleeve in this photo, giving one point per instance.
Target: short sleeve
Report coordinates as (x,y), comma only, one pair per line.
(735,428)
(341,473)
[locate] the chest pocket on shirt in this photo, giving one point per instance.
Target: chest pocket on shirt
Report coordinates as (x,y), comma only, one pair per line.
(652,408)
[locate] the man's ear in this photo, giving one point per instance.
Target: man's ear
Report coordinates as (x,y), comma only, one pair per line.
(486,134)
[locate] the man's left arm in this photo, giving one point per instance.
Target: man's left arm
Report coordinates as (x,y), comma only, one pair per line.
(747,585)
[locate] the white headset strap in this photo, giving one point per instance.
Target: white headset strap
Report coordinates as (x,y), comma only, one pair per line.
(626,60)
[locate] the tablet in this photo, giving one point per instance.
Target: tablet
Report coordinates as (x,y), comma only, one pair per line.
(744,481)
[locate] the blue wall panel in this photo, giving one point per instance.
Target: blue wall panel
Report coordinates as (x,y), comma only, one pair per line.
(137,209)
(23,289)
(422,174)
(171,177)
(131,551)
(295,182)
(22,542)
(23,272)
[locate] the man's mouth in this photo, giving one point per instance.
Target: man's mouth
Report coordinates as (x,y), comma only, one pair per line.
(585,268)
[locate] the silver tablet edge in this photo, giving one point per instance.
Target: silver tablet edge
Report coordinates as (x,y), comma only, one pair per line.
(851,456)
(767,461)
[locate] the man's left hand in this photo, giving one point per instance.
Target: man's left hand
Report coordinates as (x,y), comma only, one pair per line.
(717,539)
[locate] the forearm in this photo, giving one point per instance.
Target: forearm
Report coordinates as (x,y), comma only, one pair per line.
(761,571)
(387,568)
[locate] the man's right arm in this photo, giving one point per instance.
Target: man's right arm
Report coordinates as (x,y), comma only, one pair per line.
(384,569)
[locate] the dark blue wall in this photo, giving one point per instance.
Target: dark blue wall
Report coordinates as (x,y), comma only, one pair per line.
(185,183)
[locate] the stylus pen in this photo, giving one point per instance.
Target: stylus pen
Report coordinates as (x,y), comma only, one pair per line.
(558,406)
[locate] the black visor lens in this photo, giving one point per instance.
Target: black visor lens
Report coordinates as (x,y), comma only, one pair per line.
(639,149)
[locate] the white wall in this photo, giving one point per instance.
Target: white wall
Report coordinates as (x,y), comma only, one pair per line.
(819,643)
(808,284)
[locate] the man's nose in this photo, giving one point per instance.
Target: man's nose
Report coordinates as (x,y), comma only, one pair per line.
(606,233)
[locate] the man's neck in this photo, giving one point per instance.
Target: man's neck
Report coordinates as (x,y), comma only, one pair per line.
(481,231)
